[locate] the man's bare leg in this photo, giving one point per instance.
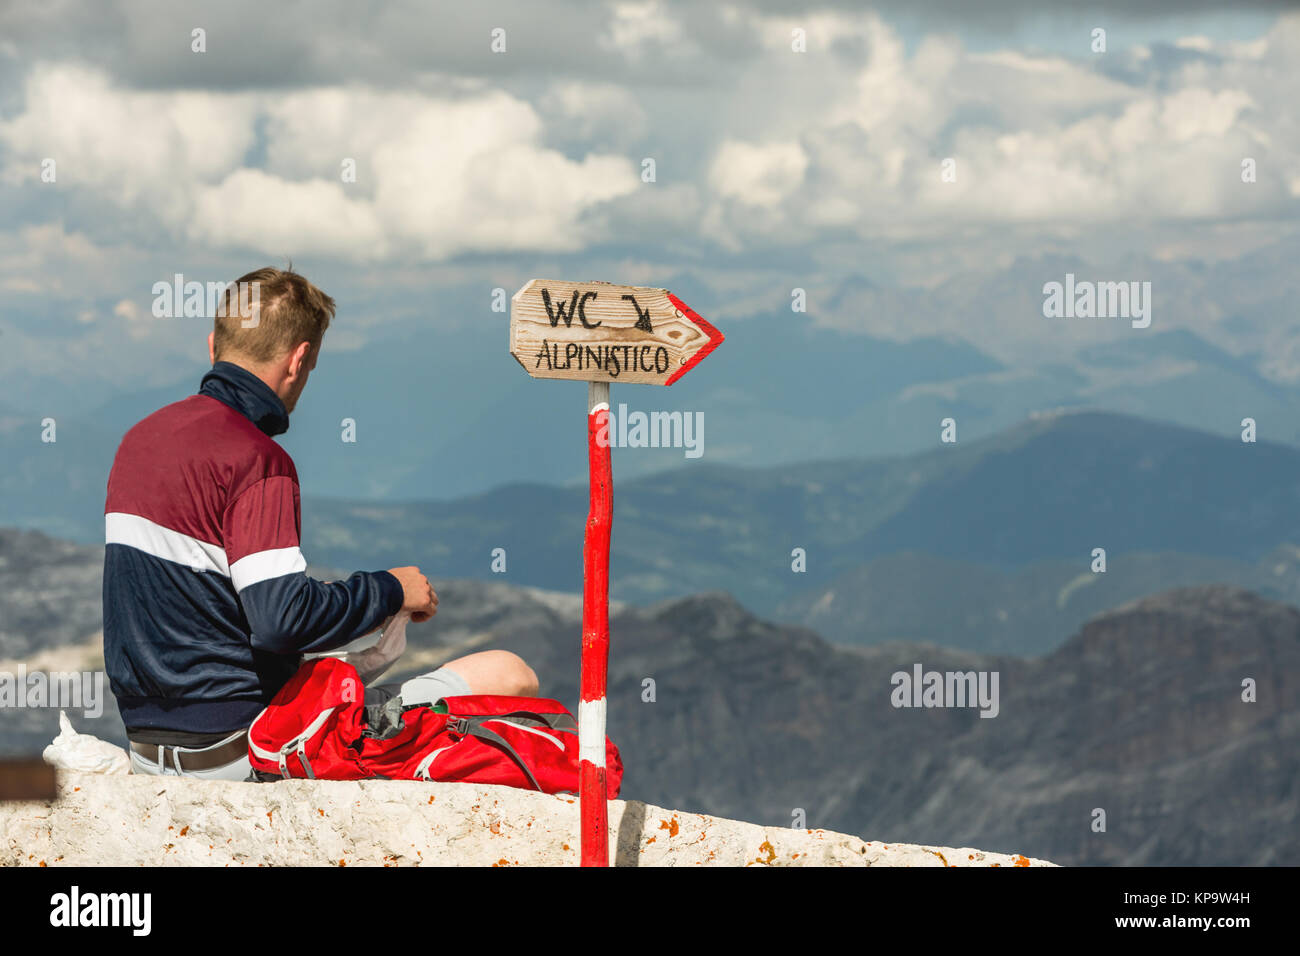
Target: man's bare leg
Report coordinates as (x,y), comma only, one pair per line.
(496,672)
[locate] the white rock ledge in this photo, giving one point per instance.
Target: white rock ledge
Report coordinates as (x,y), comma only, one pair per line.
(156,821)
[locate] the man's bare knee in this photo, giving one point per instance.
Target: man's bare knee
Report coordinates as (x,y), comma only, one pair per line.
(496,672)
(522,676)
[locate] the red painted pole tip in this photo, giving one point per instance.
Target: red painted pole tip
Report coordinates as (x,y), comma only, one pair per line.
(592,793)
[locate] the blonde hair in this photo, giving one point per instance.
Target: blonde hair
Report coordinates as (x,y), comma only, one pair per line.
(268,312)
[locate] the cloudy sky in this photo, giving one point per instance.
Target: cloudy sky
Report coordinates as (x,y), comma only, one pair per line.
(774,167)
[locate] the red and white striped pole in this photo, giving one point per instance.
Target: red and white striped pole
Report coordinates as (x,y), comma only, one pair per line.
(592,795)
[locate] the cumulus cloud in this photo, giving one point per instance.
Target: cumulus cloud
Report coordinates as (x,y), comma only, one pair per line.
(636,25)
(255,210)
(830,158)
(435,175)
(1024,138)
(47,259)
(129,146)
(581,112)
(758,174)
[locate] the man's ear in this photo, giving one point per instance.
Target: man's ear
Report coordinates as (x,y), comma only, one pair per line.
(298,359)
(212,348)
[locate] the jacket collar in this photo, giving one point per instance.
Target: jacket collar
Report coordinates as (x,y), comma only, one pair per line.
(247,394)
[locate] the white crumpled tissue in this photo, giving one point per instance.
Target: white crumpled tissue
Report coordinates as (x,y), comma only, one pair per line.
(84,753)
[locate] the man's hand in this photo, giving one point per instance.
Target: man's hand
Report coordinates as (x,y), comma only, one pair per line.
(419,597)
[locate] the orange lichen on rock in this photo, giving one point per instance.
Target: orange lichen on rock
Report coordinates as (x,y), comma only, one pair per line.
(766,847)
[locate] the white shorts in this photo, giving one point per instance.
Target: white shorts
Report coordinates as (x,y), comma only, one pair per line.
(236,770)
(425,689)
(422,689)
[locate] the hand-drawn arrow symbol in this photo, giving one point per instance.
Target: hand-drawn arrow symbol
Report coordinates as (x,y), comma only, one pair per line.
(642,315)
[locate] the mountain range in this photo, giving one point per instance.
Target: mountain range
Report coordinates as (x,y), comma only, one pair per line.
(1140,715)
(446,414)
(988,544)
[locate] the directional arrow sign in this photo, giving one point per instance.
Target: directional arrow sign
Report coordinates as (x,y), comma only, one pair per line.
(599,332)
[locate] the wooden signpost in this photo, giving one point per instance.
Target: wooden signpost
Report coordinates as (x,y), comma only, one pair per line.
(599,333)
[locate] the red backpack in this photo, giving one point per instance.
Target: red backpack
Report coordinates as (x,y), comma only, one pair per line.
(318,727)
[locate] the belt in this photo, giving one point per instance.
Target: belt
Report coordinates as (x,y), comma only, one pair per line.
(208,759)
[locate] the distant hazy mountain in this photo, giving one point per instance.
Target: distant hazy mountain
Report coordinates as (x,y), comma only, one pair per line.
(986,543)
(1139,715)
(963,604)
(1050,490)
(50,593)
(441,415)
(55,486)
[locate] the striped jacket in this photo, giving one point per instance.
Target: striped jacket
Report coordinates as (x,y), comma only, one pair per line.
(207,606)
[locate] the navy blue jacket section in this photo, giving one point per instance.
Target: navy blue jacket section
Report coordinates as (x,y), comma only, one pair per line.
(207,605)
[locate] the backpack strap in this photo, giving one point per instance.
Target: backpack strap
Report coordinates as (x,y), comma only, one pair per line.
(473,727)
(553,721)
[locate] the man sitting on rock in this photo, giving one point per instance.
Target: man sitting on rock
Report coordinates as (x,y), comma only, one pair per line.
(207,604)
